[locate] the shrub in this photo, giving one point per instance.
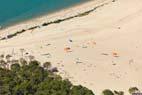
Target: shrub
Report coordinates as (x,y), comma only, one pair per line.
(80,90)
(15,67)
(107,92)
(47,65)
(118,92)
(133,90)
(2,56)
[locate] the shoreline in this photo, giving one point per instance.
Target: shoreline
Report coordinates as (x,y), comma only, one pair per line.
(48,15)
(99,51)
(61,14)
(5,26)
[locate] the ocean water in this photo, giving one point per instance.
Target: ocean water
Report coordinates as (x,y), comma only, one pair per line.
(13,11)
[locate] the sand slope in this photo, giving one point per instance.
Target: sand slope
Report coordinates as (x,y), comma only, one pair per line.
(105,46)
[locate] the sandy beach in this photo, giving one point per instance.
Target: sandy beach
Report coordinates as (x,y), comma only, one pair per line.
(100,50)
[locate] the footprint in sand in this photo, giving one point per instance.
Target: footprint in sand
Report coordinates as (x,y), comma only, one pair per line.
(131,61)
(48,55)
(78,61)
(105,54)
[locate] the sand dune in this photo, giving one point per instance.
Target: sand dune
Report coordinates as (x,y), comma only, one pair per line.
(100,50)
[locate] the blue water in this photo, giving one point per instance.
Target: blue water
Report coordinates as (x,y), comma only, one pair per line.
(13,11)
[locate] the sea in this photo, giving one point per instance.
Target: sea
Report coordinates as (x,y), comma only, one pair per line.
(15,11)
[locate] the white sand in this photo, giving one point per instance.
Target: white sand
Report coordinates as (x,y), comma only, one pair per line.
(106,48)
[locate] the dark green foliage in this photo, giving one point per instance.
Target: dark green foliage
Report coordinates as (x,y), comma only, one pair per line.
(79,90)
(107,92)
(119,92)
(34,27)
(32,79)
(47,65)
(15,67)
(133,90)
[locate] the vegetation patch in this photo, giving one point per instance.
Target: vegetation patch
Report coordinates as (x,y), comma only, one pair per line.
(30,78)
(133,90)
